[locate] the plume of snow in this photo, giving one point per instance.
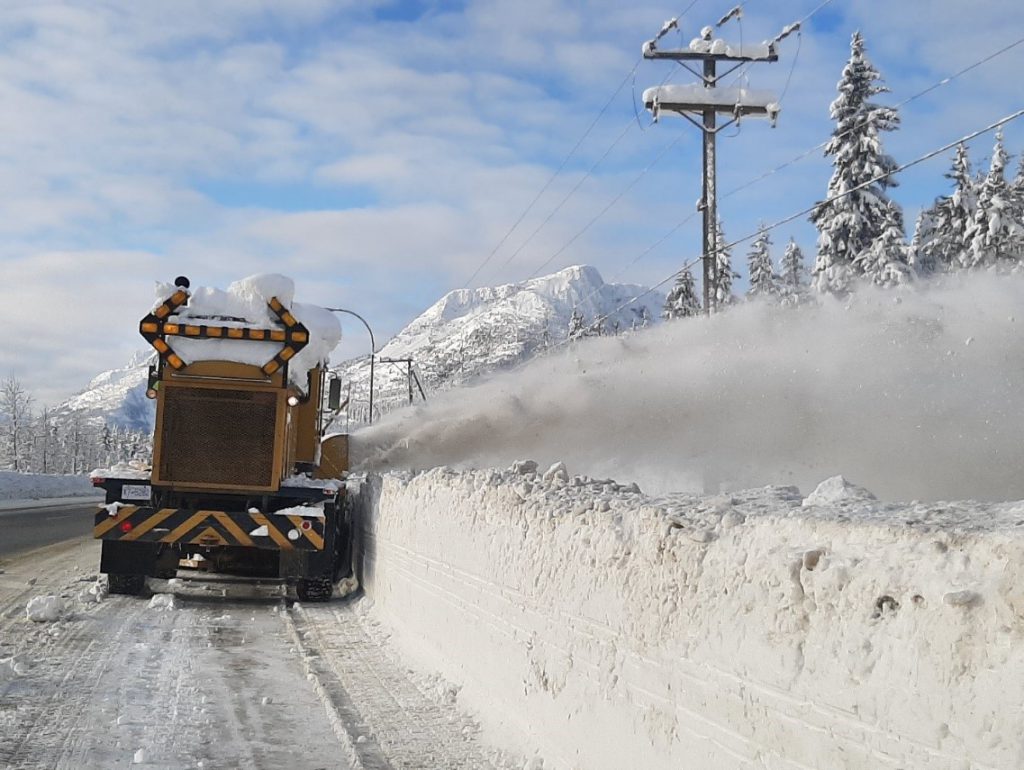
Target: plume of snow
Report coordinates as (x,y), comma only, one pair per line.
(883,388)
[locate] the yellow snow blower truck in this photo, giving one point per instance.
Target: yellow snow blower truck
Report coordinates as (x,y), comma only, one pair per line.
(242,480)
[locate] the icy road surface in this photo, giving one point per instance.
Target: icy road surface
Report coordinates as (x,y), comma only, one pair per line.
(210,676)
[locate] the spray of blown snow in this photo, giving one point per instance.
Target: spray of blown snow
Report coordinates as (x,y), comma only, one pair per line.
(915,395)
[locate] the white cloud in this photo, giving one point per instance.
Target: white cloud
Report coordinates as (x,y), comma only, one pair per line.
(146,140)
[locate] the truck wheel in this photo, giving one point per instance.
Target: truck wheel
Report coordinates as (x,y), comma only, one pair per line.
(315,589)
(130,585)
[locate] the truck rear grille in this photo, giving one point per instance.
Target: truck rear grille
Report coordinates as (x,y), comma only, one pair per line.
(218,437)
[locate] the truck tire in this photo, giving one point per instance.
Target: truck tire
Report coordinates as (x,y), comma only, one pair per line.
(129,585)
(315,589)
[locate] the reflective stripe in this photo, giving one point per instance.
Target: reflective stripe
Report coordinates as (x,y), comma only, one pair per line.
(191,523)
(228,523)
(273,531)
(311,534)
(122,513)
(141,529)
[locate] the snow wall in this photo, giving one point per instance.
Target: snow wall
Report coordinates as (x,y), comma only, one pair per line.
(34,486)
(596,627)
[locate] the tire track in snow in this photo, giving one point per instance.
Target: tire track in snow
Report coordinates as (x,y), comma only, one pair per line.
(390,720)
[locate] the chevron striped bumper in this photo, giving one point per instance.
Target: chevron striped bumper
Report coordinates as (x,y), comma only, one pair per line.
(132,523)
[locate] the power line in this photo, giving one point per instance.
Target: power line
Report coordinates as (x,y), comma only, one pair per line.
(564,162)
(567,196)
(838,196)
(794,27)
(608,207)
(943,82)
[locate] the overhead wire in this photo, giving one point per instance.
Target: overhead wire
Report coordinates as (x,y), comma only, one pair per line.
(609,206)
(678,226)
(564,162)
(803,212)
(939,84)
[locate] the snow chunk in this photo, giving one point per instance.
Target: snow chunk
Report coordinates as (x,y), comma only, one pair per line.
(837,489)
(244,304)
(131,470)
(556,471)
(260,531)
(693,93)
(309,511)
(44,609)
(162,602)
(524,467)
(113,508)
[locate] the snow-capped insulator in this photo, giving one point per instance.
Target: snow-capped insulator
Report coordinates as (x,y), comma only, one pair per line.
(706,33)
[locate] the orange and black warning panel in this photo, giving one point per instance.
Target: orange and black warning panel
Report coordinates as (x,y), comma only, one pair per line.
(133,523)
(156,329)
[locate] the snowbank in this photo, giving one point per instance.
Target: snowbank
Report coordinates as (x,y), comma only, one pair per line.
(33,486)
(604,628)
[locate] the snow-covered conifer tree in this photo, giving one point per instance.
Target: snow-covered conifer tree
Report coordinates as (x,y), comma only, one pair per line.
(724,274)
(763,281)
(885,261)
(793,268)
(577,327)
(793,275)
(682,301)
(940,241)
(994,237)
(849,225)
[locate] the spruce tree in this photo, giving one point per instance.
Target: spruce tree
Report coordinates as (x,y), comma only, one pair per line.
(577,327)
(682,301)
(763,281)
(940,235)
(993,237)
(724,275)
(849,225)
(793,269)
(885,261)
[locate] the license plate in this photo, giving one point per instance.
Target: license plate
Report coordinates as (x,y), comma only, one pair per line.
(135,492)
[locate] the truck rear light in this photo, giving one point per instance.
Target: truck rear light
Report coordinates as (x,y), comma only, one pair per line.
(126,526)
(98,482)
(306,524)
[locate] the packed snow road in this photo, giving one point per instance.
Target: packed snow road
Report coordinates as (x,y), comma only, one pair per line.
(205,674)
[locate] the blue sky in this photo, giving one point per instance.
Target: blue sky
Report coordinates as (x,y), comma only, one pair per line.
(378,151)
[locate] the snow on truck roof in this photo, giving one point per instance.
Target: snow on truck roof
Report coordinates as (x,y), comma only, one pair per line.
(244,304)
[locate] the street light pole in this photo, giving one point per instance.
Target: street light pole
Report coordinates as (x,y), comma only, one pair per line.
(373,349)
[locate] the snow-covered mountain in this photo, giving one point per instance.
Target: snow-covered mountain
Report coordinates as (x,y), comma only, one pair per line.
(470,332)
(466,333)
(117,396)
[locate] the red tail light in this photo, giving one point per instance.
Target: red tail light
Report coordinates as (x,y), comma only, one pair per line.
(97,481)
(126,526)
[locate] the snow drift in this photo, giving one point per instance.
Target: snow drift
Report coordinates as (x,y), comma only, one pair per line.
(601,628)
(915,394)
(34,486)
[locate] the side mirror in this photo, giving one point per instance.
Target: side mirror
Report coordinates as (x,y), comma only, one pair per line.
(152,382)
(334,394)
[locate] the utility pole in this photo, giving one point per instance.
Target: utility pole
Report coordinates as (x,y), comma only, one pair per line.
(705,101)
(410,375)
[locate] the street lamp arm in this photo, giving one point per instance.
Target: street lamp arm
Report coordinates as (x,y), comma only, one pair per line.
(373,349)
